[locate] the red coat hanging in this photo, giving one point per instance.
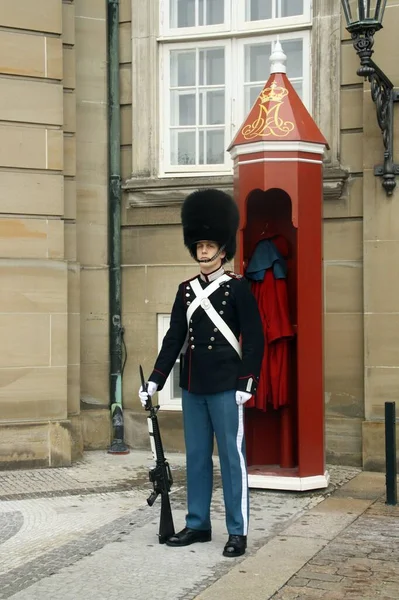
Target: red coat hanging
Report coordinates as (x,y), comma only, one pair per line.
(267,273)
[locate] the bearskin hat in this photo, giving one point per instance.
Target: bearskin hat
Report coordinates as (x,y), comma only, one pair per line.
(210,214)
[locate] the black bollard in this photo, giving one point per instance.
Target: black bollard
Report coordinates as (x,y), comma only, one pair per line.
(390,454)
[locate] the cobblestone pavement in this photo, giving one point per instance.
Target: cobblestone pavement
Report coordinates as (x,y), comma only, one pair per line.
(87,532)
(361,562)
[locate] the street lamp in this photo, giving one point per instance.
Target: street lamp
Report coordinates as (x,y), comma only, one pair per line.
(362,27)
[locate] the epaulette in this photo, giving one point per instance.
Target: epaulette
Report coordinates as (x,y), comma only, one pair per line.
(234,275)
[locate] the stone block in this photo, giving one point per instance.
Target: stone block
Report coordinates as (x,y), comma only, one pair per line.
(70,198)
(381,218)
(94,385)
(69,111)
(30,101)
(31,148)
(69,155)
(69,67)
(153,245)
(373,434)
(170,423)
(380,289)
(96,429)
(33,286)
(31,238)
(125,43)
(343,240)
(125,83)
(29,393)
(352,107)
(54,150)
(31,193)
(125,11)
(53,58)
(381,385)
(349,65)
(344,370)
(343,287)
(73,288)
(344,441)
(25,340)
(70,240)
(92,163)
(68,24)
(76,437)
(126,161)
(30,55)
(126,125)
(356,197)
(24,445)
(90,9)
(92,65)
(59,340)
(41,15)
(381,332)
(60,444)
(352,151)
(141,287)
(73,395)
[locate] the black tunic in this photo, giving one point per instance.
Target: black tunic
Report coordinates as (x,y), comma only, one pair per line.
(210,364)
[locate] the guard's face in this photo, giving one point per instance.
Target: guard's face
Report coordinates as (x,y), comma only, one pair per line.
(206,250)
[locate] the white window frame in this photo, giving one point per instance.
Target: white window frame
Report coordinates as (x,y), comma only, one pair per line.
(239,60)
(234,33)
(164,118)
(166,402)
(272,24)
(177,32)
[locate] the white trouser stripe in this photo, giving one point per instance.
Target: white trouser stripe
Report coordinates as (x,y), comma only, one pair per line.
(244,481)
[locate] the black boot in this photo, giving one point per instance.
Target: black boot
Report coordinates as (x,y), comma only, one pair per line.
(188,536)
(236,546)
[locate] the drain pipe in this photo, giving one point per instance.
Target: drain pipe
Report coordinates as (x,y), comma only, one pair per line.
(116,331)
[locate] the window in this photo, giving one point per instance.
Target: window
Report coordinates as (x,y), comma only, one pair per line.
(214,61)
(170,395)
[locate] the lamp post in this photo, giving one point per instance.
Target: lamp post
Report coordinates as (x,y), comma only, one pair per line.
(362,25)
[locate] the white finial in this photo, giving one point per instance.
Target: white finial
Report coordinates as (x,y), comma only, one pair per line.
(277,59)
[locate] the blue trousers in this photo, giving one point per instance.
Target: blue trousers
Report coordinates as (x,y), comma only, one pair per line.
(203,417)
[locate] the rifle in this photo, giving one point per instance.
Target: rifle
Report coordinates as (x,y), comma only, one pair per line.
(160,476)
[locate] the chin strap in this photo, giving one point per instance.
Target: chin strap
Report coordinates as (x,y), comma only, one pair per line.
(208,260)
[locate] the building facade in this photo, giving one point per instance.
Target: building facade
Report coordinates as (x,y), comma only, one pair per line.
(189,72)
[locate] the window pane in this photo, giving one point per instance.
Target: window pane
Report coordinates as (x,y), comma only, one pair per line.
(211,147)
(251,94)
(257,64)
(182,13)
(298,87)
(182,147)
(182,108)
(290,8)
(211,107)
(176,390)
(211,66)
(211,12)
(257,10)
(182,68)
(294,51)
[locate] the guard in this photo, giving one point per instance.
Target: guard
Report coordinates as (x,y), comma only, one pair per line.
(216,326)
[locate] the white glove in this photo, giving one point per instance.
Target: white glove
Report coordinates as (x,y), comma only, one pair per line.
(151,389)
(242,397)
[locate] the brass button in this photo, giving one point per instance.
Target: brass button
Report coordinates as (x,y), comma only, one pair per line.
(188,295)
(192,347)
(188,303)
(191,328)
(215,330)
(187,287)
(212,339)
(224,302)
(192,339)
(209,347)
(226,293)
(220,312)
